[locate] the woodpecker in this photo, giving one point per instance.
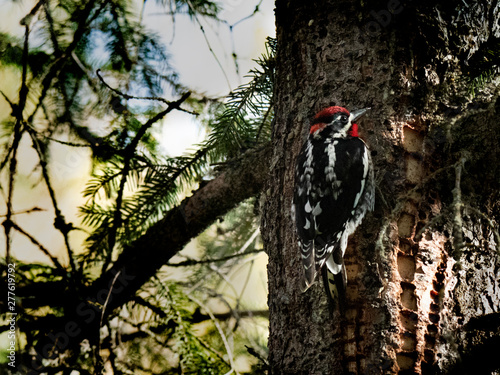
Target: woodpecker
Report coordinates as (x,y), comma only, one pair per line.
(334,189)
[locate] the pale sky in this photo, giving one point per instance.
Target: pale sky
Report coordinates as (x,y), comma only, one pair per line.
(198,67)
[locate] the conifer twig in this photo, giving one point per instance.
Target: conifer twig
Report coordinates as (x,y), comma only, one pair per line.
(129,153)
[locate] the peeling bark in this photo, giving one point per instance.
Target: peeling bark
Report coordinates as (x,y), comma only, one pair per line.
(425,262)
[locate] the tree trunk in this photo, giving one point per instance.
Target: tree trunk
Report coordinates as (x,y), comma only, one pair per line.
(423,290)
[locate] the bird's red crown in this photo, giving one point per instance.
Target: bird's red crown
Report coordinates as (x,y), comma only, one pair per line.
(330,111)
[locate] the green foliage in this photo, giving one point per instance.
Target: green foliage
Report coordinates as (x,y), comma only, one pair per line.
(477,83)
(245,119)
(10,49)
(37,273)
(163,319)
(483,66)
(195,355)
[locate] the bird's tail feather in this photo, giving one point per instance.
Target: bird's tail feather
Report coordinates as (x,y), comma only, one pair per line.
(308,256)
(335,285)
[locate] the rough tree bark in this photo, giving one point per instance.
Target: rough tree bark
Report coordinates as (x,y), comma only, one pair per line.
(423,273)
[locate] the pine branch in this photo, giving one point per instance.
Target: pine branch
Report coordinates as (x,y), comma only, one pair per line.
(162,183)
(129,152)
(129,217)
(241,123)
(142,258)
(182,223)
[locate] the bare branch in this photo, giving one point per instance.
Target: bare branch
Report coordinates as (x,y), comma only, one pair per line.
(40,246)
(17,112)
(126,96)
(29,211)
(208,44)
(59,222)
(219,329)
(194,262)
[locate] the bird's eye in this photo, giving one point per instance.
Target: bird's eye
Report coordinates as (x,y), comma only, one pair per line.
(344,118)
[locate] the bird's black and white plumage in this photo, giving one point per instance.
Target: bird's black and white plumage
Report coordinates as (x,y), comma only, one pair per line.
(334,189)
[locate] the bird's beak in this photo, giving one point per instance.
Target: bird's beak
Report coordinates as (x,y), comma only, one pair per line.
(358,113)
